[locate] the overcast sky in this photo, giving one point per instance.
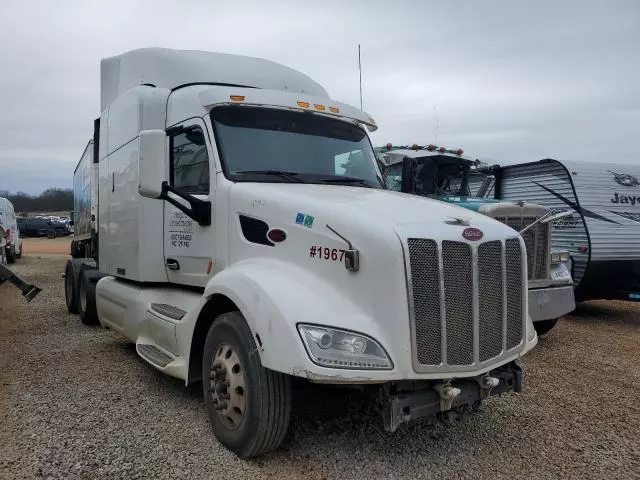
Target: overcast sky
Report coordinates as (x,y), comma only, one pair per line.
(510,80)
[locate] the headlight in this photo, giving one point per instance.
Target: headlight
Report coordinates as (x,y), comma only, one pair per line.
(559,257)
(330,347)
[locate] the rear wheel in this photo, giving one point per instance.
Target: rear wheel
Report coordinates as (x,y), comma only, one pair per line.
(71,274)
(86,302)
(249,406)
(545,326)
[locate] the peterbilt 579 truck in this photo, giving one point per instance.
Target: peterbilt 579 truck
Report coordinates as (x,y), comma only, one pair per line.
(443,174)
(244,237)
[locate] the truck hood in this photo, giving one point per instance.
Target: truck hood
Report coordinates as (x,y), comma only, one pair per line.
(350,205)
(471,203)
(496,208)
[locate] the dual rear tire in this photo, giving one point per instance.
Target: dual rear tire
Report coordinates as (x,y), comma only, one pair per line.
(80,289)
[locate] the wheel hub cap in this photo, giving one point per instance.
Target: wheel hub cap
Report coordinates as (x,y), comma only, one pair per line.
(227,386)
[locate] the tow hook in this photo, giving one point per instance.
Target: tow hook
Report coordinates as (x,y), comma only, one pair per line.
(447,395)
(486,383)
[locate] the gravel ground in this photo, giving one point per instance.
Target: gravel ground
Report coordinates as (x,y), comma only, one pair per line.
(77,402)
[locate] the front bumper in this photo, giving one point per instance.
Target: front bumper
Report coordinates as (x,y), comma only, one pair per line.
(550,303)
(402,402)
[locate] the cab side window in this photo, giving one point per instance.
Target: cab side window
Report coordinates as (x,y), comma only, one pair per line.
(189,162)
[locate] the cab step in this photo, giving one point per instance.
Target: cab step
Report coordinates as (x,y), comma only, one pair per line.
(154,355)
(169,311)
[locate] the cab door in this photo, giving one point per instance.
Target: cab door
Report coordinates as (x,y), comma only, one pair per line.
(188,246)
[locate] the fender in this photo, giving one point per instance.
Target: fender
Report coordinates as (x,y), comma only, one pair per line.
(274,296)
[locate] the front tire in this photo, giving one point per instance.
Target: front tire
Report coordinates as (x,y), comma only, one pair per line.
(51,234)
(249,406)
(544,326)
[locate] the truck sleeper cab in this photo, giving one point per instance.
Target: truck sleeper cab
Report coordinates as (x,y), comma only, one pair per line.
(244,237)
(444,174)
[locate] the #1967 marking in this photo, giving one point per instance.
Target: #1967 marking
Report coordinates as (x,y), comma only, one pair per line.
(326,253)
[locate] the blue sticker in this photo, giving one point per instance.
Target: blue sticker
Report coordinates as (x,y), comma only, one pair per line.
(634,296)
(300,218)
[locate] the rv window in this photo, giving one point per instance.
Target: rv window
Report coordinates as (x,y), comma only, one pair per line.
(190,162)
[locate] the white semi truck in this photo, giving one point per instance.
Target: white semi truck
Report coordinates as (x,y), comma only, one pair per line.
(244,238)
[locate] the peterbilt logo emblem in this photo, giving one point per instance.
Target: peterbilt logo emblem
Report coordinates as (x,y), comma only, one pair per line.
(624,179)
(472,234)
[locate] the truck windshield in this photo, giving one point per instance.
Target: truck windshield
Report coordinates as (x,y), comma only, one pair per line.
(433,175)
(269,145)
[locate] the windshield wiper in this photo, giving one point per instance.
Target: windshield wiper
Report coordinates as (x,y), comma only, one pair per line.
(292,176)
(348,181)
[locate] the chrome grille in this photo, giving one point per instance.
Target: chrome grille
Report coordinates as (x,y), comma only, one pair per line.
(448,308)
(490,287)
(458,295)
(514,293)
(423,256)
(538,242)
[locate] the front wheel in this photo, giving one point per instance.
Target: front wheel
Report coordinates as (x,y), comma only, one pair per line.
(544,326)
(249,406)
(51,234)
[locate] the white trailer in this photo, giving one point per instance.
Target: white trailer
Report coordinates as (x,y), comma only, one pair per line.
(237,247)
(603,231)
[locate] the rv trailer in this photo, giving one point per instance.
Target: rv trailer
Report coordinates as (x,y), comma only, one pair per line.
(603,233)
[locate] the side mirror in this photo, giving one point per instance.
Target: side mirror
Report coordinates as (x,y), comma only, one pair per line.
(152,162)
(408,167)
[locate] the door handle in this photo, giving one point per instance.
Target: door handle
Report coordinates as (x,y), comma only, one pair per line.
(172,264)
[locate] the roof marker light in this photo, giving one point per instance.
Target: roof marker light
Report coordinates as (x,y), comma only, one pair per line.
(303,104)
(459,151)
(431,148)
(442,149)
(389,146)
(334,109)
(237,98)
(319,107)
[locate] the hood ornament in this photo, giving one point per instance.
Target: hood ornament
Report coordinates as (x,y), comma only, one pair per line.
(461,222)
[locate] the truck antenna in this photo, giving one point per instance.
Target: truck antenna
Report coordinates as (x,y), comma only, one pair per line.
(435,109)
(360,71)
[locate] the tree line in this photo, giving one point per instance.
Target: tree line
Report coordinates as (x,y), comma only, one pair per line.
(51,200)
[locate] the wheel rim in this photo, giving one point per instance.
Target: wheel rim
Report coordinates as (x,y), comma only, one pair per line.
(227,386)
(83,297)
